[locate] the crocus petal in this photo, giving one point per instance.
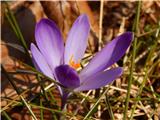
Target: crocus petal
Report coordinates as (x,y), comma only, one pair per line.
(67,76)
(100,79)
(110,54)
(50,43)
(77,39)
(40,62)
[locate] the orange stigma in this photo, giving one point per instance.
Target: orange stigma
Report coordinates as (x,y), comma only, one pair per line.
(73,64)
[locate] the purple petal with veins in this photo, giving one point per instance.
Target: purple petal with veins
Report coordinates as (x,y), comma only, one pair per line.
(50,42)
(40,62)
(110,54)
(100,79)
(77,39)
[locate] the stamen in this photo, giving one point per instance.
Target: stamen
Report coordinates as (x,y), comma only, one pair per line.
(73,64)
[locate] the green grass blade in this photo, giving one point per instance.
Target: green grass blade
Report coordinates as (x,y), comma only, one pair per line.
(95,105)
(135,29)
(41,110)
(146,70)
(16,27)
(6,115)
(42,88)
(12,20)
(109,108)
(18,92)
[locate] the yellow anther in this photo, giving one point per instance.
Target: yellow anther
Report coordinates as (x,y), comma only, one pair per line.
(73,64)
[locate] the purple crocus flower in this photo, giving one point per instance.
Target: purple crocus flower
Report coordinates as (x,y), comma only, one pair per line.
(61,63)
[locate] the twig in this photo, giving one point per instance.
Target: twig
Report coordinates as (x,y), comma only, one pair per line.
(100,24)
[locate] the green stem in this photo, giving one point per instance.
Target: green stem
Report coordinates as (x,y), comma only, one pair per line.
(146,70)
(95,105)
(18,92)
(6,115)
(12,20)
(135,29)
(42,87)
(41,110)
(109,108)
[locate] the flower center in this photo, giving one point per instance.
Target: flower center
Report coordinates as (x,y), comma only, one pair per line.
(73,64)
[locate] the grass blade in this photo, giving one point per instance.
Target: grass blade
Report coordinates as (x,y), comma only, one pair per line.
(18,92)
(41,110)
(12,20)
(135,29)
(109,108)
(146,70)
(6,115)
(95,105)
